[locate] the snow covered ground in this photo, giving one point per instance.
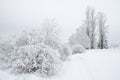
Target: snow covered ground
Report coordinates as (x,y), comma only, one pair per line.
(91,65)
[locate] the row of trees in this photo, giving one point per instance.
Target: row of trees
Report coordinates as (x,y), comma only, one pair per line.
(93,31)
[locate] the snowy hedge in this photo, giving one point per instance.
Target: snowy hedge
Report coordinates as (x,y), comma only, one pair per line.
(32,52)
(77,49)
(36,58)
(65,52)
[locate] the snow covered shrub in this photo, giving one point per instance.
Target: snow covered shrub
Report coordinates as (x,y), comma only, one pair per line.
(80,38)
(22,41)
(50,29)
(77,49)
(52,41)
(36,58)
(65,51)
(38,51)
(6,49)
(30,52)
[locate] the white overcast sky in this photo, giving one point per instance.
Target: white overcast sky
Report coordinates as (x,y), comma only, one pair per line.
(17,15)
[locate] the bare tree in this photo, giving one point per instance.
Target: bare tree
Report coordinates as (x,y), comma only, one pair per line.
(90,23)
(102,31)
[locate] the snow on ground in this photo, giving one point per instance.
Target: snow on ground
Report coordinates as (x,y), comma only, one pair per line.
(91,65)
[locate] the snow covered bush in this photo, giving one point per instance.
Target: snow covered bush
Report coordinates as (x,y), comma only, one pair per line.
(38,51)
(80,38)
(55,43)
(65,51)
(6,49)
(51,39)
(77,49)
(79,41)
(22,40)
(36,58)
(26,53)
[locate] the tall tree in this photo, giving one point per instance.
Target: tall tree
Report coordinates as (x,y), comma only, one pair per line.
(102,31)
(90,23)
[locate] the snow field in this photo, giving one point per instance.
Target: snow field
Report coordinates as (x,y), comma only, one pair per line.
(91,65)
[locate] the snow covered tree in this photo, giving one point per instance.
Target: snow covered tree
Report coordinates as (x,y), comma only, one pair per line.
(103,42)
(50,29)
(90,23)
(83,37)
(80,38)
(79,41)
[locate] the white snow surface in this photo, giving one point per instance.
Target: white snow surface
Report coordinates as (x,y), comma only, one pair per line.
(90,65)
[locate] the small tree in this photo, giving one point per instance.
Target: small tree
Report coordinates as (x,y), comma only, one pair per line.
(83,37)
(103,42)
(79,41)
(50,29)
